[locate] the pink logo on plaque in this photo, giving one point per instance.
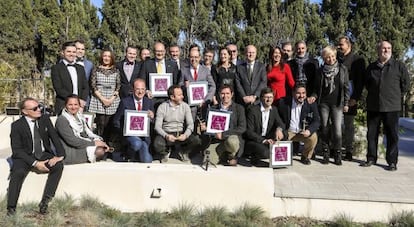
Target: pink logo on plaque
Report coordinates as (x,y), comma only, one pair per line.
(198,93)
(161,84)
(281,153)
(218,122)
(137,123)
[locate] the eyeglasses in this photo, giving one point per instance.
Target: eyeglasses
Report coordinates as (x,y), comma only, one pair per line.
(268,97)
(39,107)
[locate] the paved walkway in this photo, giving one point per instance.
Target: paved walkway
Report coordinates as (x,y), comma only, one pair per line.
(350,181)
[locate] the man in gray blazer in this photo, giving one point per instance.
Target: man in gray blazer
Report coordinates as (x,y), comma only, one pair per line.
(196,72)
(251,79)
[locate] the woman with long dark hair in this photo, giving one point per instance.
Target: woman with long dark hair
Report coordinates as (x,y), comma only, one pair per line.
(279,75)
(105,83)
(224,73)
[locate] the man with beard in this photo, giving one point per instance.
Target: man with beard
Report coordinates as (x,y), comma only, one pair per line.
(386,81)
(301,120)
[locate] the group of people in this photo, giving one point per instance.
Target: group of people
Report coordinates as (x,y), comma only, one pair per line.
(292,98)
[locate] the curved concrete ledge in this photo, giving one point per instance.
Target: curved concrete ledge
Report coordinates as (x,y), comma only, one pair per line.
(135,187)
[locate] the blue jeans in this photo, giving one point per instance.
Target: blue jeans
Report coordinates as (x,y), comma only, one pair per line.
(139,146)
(335,114)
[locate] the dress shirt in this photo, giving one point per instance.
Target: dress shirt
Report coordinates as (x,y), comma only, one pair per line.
(294,125)
(136,101)
(31,126)
(128,69)
(73,76)
(265,118)
(192,70)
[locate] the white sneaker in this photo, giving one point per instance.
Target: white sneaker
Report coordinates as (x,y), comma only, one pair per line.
(91,155)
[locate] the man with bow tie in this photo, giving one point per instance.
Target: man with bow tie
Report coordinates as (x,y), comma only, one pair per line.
(69,78)
(31,138)
(129,69)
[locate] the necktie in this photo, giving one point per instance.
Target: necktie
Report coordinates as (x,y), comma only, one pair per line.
(70,65)
(195,74)
(159,67)
(79,59)
(129,63)
(139,106)
(250,72)
(37,142)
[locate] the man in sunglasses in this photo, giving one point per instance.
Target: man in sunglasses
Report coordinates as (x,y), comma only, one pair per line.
(32,151)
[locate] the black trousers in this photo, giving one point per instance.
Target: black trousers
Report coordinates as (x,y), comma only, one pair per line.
(391,127)
(257,150)
(161,144)
(18,174)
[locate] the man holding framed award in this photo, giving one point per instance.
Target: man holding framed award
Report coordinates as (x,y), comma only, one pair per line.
(166,70)
(227,123)
(301,120)
(138,101)
(264,127)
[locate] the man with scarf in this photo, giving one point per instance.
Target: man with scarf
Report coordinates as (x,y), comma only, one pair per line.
(332,94)
(304,67)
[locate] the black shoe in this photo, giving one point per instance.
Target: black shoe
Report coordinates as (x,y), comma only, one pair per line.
(338,159)
(392,167)
(43,207)
(348,157)
(305,161)
(368,163)
(11,211)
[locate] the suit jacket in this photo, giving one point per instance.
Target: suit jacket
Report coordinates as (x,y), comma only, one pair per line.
(149,66)
(126,85)
(309,111)
(245,87)
(254,124)
(22,140)
(62,84)
(203,74)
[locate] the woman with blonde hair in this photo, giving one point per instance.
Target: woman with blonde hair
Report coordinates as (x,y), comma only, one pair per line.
(332,94)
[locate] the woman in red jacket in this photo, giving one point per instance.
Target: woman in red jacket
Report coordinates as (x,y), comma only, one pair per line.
(278,74)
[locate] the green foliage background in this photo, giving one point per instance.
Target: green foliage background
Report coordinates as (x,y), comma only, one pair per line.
(32,30)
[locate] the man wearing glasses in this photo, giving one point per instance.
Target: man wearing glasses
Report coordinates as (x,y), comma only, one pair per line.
(234,54)
(31,150)
(264,127)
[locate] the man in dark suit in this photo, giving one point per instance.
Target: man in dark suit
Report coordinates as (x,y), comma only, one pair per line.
(69,78)
(83,61)
(158,65)
(234,54)
(137,101)
(251,78)
(264,127)
(301,120)
(31,150)
(128,69)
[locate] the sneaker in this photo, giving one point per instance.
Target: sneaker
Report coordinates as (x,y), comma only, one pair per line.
(91,156)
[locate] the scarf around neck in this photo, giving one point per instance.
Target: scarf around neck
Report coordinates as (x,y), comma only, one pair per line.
(79,127)
(329,72)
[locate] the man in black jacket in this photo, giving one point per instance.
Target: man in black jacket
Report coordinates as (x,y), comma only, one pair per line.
(356,70)
(31,150)
(301,120)
(387,81)
(264,127)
